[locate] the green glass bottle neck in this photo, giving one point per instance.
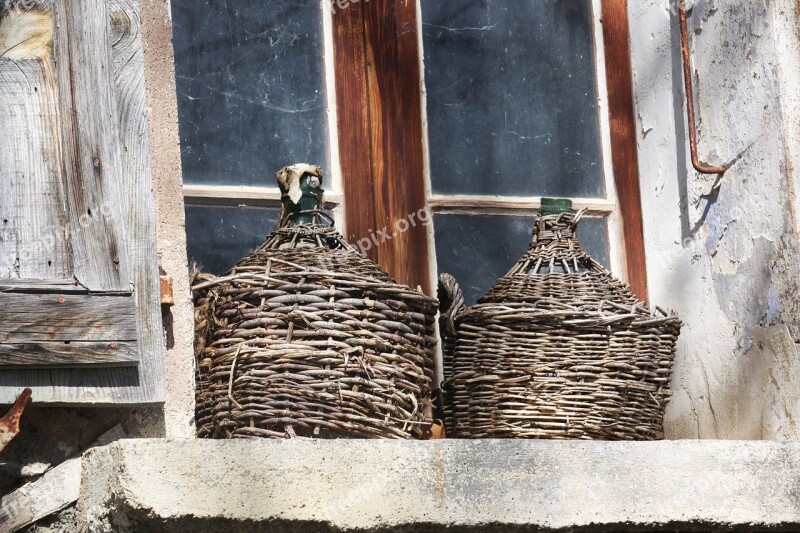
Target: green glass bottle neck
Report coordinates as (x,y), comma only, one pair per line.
(304,211)
(555,206)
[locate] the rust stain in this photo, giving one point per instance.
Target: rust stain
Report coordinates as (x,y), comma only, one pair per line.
(167,295)
(9,424)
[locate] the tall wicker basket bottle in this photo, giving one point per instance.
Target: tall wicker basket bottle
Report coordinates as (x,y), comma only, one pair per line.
(305,337)
(557,349)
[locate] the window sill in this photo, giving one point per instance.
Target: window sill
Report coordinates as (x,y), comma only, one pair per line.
(470,485)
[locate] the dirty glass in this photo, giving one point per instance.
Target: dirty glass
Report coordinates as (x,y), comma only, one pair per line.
(251,89)
(219,236)
(511,97)
(478,249)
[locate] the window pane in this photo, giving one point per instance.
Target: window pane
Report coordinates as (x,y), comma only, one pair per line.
(512,99)
(219,236)
(478,249)
(251,89)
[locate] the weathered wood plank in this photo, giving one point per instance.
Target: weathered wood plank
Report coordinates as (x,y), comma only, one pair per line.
(34,286)
(128,54)
(625,160)
(352,108)
(121,385)
(54,491)
(41,355)
(34,240)
(90,144)
(379,94)
(67,317)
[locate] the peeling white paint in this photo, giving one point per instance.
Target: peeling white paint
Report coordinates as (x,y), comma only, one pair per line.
(727,261)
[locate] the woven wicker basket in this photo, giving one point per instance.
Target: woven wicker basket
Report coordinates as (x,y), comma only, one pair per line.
(305,337)
(557,349)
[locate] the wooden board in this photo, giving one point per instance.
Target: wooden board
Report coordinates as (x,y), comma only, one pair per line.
(68,317)
(623,140)
(34,234)
(68,355)
(90,144)
(54,491)
(380,122)
(124,180)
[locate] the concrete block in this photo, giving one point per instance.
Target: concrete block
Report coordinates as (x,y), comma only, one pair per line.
(265,485)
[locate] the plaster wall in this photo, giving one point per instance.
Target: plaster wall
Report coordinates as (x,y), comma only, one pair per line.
(168,182)
(724,254)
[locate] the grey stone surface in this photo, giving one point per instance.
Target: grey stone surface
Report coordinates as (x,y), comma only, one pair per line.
(261,485)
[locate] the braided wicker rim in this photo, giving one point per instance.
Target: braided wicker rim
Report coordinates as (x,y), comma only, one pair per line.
(305,337)
(557,348)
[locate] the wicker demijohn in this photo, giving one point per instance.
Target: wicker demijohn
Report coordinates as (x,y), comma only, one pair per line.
(557,349)
(305,337)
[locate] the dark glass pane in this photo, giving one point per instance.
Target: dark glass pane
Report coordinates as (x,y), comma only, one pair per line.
(478,249)
(512,99)
(218,237)
(251,89)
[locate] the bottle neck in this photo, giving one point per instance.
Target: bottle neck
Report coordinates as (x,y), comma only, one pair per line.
(556,220)
(303,210)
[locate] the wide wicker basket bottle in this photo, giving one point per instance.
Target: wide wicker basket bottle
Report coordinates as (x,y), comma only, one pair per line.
(305,337)
(557,349)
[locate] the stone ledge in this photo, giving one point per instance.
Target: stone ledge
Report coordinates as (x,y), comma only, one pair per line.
(260,485)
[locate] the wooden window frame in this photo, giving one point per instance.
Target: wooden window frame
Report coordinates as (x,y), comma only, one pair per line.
(380,105)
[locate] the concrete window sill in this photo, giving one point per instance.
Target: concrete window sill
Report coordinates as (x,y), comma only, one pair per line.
(265,485)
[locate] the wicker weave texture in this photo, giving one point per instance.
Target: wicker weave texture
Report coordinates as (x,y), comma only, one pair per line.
(305,337)
(558,348)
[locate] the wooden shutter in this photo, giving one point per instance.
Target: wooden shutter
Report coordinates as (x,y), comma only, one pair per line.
(79,304)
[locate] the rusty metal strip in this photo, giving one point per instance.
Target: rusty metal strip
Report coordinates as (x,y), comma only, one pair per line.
(698,165)
(9,424)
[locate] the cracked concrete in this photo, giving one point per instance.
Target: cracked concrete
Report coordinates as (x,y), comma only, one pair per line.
(724,254)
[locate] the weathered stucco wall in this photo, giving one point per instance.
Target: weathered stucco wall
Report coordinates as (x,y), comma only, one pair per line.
(726,259)
(168,182)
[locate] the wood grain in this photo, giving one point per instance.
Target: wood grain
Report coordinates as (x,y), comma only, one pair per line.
(353,113)
(54,491)
(380,107)
(623,140)
(34,236)
(35,286)
(138,201)
(72,355)
(90,144)
(135,204)
(395,95)
(68,317)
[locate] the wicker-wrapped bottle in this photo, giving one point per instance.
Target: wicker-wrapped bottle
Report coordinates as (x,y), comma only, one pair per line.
(558,348)
(305,337)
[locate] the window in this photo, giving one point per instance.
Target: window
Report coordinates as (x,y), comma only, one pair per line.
(514,114)
(468,109)
(253,98)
